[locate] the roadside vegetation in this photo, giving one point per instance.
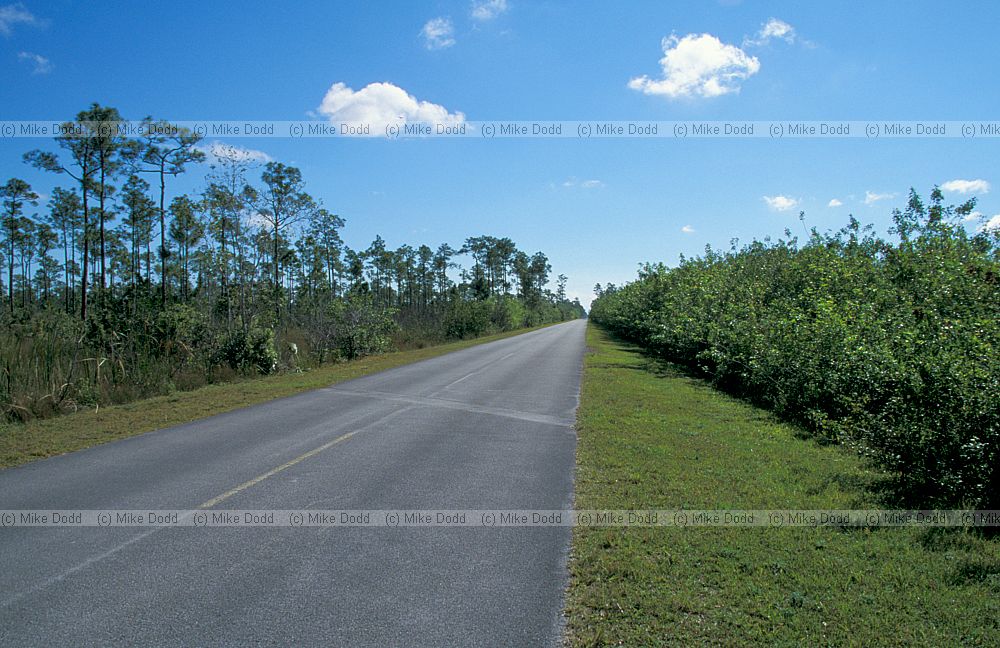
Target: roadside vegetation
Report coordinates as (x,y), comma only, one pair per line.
(115,288)
(889,346)
(652,435)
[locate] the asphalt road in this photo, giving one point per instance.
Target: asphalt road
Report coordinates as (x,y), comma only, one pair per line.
(486,427)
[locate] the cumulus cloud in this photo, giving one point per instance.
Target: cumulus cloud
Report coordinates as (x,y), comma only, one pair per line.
(15,14)
(438,33)
(966,186)
(834,203)
(40,64)
(780,203)
(687,229)
(216,150)
(872,197)
(698,65)
(772,29)
(992,225)
(483,10)
(381,104)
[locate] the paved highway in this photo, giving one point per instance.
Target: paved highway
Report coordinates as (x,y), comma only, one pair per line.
(486,427)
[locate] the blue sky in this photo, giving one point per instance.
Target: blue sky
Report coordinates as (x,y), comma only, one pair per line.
(596,207)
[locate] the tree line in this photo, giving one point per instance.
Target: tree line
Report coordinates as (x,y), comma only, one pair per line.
(249,273)
(890,346)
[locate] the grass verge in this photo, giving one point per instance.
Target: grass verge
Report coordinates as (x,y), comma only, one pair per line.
(21,443)
(650,437)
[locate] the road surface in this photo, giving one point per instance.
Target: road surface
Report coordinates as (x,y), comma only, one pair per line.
(489,427)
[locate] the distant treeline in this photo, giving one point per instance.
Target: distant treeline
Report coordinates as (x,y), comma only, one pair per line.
(890,346)
(111,293)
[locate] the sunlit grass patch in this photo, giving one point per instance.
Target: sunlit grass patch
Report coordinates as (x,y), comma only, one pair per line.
(650,437)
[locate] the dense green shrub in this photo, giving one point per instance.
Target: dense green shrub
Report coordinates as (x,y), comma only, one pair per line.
(250,351)
(362,326)
(468,319)
(892,347)
(181,330)
(508,313)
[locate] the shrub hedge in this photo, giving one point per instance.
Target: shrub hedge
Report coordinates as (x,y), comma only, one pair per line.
(892,346)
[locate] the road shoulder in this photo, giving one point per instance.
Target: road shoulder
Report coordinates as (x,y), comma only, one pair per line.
(650,437)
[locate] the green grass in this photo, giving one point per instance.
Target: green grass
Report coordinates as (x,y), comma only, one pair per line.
(21,443)
(650,437)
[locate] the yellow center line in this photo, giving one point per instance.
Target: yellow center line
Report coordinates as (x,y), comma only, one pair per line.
(209,504)
(274,471)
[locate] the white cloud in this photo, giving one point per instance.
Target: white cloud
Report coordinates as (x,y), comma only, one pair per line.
(871,197)
(780,203)
(687,229)
(40,64)
(966,186)
(976,215)
(483,10)
(217,150)
(834,203)
(438,33)
(258,219)
(14,14)
(698,65)
(773,28)
(381,104)
(992,225)
(585,184)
